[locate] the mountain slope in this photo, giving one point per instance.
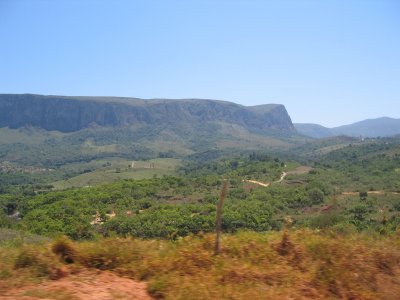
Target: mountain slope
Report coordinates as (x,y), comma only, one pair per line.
(368,128)
(52,131)
(69,114)
(371,128)
(313,130)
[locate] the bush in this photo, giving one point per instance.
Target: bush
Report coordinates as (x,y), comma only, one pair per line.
(326,220)
(359,212)
(25,258)
(108,253)
(316,196)
(363,195)
(38,261)
(64,248)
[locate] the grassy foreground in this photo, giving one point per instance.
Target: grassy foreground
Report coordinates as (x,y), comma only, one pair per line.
(297,264)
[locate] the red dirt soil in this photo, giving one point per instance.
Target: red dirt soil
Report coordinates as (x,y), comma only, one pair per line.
(87,285)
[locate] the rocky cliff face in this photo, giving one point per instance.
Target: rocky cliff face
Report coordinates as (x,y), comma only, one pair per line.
(68,114)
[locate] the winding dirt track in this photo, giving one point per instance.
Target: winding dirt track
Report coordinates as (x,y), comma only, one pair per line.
(265,184)
(282,176)
(298,170)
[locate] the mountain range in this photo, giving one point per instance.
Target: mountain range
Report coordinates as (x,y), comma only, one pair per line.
(380,127)
(179,120)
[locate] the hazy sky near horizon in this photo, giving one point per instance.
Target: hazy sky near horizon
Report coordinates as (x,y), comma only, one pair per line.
(329,62)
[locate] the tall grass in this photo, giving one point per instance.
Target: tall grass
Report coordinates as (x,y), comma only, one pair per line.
(294,264)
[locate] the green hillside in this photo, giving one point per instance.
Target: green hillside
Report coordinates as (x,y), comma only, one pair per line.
(356,186)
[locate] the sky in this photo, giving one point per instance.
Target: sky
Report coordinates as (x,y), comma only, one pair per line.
(329,62)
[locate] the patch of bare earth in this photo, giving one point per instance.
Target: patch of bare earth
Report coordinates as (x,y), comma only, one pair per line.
(300,170)
(87,285)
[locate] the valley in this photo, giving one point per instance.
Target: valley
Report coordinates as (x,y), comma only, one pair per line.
(135,204)
(199,150)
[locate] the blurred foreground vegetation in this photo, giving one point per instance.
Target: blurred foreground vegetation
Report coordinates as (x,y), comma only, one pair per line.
(296,264)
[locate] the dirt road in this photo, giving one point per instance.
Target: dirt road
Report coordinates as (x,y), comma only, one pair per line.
(264,184)
(282,177)
(298,170)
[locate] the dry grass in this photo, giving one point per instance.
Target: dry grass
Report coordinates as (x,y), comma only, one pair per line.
(297,264)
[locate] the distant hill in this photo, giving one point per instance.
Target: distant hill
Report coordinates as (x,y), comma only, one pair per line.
(69,114)
(371,128)
(313,130)
(382,127)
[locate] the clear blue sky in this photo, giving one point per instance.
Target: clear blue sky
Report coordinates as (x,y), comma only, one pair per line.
(329,62)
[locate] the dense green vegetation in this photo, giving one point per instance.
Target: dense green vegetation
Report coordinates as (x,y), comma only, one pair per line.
(370,166)
(352,188)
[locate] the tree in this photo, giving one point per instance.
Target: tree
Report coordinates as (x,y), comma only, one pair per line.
(359,212)
(316,196)
(363,195)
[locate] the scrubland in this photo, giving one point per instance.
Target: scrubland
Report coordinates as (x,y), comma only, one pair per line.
(288,264)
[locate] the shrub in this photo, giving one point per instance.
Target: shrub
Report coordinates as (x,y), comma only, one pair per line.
(316,196)
(37,260)
(25,258)
(326,220)
(363,195)
(359,212)
(64,248)
(109,253)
